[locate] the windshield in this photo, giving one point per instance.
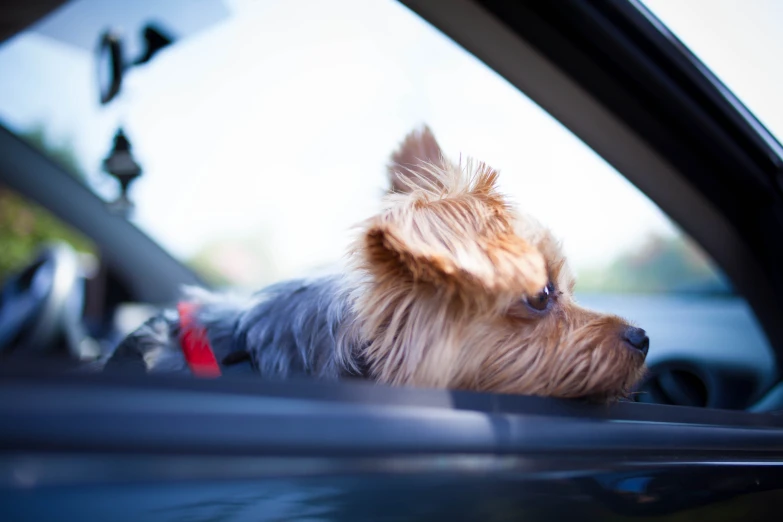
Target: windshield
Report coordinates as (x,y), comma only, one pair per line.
(263,132)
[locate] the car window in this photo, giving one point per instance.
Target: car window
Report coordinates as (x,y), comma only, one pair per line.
(263,138)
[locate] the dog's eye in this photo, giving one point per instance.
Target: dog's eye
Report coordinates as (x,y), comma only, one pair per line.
(540,301)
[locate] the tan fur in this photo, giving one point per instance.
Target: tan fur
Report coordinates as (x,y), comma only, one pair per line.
(444,272)
(418,148)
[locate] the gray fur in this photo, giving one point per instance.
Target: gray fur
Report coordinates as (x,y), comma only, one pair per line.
(153,345)
(287,329)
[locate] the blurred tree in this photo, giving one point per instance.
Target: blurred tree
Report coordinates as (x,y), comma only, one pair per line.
(659,265)
(243,262)
(25,226)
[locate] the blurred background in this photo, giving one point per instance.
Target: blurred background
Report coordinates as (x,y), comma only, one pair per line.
(264,131)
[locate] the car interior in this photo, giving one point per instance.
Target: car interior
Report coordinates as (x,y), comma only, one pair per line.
(609,72)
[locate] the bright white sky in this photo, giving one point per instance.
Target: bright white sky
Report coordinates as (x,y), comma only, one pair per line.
(274,126)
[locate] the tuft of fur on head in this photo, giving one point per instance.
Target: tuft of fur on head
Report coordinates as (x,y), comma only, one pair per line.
(443,278)
(407,167)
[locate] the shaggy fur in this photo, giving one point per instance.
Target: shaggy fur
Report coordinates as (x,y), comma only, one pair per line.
(449,286)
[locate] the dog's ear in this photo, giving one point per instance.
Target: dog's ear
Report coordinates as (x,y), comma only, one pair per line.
(410,165)
(463,240)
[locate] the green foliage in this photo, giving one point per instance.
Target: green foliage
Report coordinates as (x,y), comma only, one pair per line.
(25,226)
(660,265)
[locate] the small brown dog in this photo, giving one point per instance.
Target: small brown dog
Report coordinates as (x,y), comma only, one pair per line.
(449,287)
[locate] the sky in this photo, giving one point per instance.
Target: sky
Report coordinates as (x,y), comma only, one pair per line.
(271,128)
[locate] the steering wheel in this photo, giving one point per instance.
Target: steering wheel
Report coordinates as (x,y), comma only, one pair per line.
(42,305)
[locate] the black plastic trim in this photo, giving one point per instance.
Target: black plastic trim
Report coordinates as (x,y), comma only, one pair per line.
(143,414)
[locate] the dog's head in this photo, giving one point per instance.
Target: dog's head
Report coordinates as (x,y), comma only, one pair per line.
(460,290)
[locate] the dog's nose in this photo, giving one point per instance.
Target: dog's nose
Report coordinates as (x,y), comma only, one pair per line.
(637,338)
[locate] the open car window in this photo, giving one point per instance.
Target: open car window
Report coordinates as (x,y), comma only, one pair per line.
(263,135)
(228,119)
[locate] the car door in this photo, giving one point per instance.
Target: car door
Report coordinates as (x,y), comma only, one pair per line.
(131,447)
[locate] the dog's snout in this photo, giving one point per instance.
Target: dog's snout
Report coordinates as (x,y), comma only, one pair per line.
(637,338)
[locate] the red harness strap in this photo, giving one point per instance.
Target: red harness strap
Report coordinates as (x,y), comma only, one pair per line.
(195,345)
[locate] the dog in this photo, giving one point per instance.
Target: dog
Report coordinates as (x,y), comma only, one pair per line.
(449,286)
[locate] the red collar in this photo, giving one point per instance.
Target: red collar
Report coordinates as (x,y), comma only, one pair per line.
(195,344)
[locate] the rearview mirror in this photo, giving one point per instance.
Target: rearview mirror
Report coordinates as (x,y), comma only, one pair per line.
(111,66)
